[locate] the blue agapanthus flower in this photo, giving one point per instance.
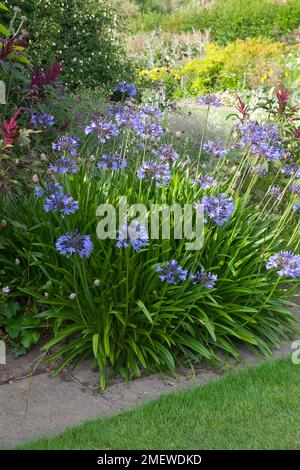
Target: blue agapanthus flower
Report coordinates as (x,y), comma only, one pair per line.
(158,171)
(49,188)
(67,145)
(291,170)
(210,99)
(103,128)
(151,112)
(295,188)
(166,153)
(215,148)
(260,170)
(287,262)
(147,128)
(112,161)
(206,182)
(126,87)
(74,242)
(262,139)
(172,272)
(61,203)
(206,278)
(124,117)
(296,207)
(218,208)
(43,120)
(274,192)
(134,234)
(64,165)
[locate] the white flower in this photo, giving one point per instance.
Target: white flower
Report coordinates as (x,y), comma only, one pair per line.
(72,296)
(97,282)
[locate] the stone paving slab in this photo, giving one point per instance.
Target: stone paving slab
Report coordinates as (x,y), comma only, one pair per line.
(33,407)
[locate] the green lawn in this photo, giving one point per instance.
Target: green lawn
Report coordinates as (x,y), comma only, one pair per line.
(254,409)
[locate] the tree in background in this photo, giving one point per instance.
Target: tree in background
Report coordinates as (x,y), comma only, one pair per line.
(81,34)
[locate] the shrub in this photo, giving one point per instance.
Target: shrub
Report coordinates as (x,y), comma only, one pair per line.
(238,65)
(118,299)
(81,34)
(229,20)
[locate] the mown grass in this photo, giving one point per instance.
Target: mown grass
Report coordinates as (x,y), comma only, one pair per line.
(255,409)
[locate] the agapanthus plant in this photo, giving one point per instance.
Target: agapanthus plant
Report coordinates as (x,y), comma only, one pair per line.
(71,243)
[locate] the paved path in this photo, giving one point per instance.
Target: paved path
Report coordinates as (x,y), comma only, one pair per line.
(32,407)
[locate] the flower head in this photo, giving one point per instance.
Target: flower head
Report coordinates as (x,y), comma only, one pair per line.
(172,272)
(61,203)
(210,99)
(207,279)
(126,87)
(166,153)
(103,128)
(296,207)
(146,125)
(6,290)
(291,170)
(159,171)
(215,148)
(261,139)
(295,189)
(43,120)
(67,145)
(64,165)
(218,208)
(287,262)
(113,161)
(134,234)
(74,242)
(274,192)
(206,182)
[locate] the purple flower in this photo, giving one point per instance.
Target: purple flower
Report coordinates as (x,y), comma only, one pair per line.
(146,127)
(215,148)
(295,189)
(206,182)
(218,208)
(296,207)
(172,272)
(291,170)
(125,117)
(49,187)
(152,112)
(103,128)
(6,290)
(207,279)
(274,192)
(64,165)
(61,203)
(134,233)
(166,153)
(126,87)
(113,161)
(66,144)
(74,242)
(262,139)
(42,119)
(260,170)
(210,99)
(159,171)
(288,263)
